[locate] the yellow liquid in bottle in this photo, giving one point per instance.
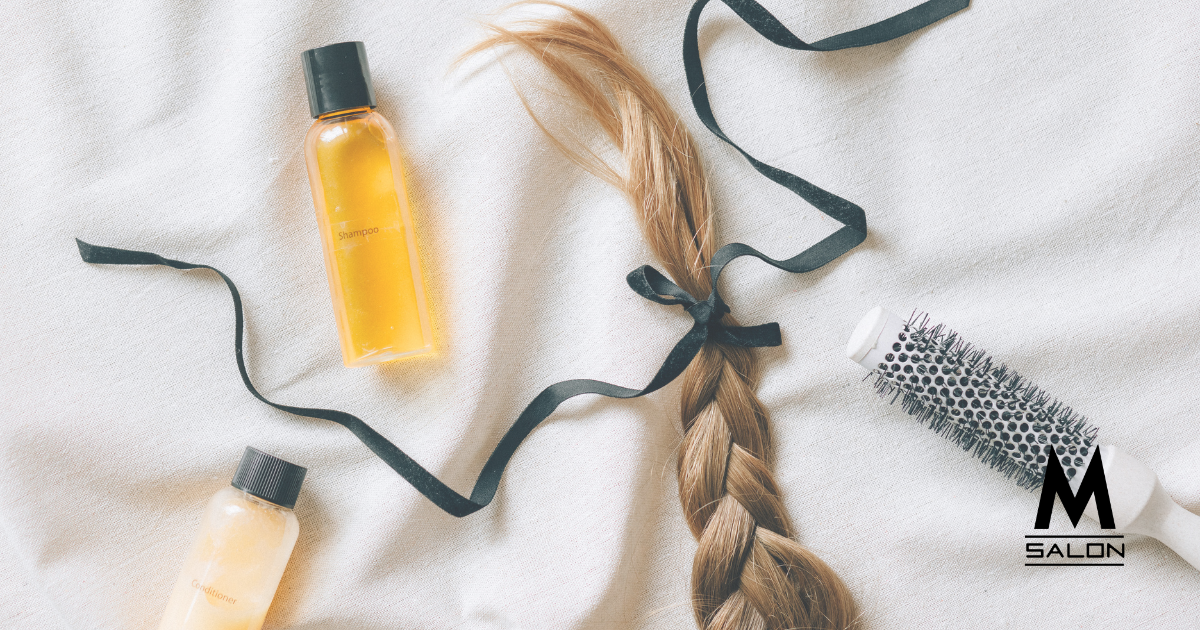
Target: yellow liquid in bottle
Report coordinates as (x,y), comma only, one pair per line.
(366,231)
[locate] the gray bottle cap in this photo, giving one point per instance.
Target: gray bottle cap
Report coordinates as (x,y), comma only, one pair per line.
(338,78)
(269,478)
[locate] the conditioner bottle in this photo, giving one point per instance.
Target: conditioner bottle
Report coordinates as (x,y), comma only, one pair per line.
(246,537)
(357,183)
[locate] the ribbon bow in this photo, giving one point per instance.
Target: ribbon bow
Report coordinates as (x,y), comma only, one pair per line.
(649,283)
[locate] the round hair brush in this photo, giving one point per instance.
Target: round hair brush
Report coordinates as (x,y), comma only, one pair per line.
(1006,421)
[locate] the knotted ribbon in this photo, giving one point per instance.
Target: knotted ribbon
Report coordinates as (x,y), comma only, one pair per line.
(708,314)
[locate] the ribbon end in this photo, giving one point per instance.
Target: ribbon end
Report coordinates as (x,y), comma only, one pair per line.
(760,336)
(85,250)
(100,255)
(775,337)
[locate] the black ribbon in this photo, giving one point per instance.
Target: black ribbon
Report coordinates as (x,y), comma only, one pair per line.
(852,218)
(646,281)
(707,314)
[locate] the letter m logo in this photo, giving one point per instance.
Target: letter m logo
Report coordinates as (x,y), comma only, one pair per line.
(1055,482)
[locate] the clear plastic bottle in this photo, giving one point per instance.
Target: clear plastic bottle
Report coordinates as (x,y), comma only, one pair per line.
(246,537)
(355,171)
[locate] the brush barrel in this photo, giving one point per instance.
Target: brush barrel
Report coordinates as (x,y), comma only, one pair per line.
(1139,502)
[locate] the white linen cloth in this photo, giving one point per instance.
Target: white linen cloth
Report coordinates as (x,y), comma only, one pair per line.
(1029,173)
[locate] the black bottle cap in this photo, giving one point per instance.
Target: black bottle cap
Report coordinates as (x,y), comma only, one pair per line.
(269,478)
(338,78)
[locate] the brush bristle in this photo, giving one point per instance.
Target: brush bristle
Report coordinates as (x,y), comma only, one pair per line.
(963,395)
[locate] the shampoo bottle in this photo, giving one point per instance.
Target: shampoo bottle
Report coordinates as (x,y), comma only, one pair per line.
(362,212)
(246,538)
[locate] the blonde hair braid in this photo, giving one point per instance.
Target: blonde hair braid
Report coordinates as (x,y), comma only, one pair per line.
(749,571)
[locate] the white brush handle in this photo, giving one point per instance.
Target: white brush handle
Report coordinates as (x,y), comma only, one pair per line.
(1140,504)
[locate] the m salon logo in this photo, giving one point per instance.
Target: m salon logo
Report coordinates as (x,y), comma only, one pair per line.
(1074,549)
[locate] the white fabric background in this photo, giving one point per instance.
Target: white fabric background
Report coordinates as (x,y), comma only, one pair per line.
(1029,172)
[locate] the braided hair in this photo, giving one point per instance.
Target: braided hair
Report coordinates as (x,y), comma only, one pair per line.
(749,572)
